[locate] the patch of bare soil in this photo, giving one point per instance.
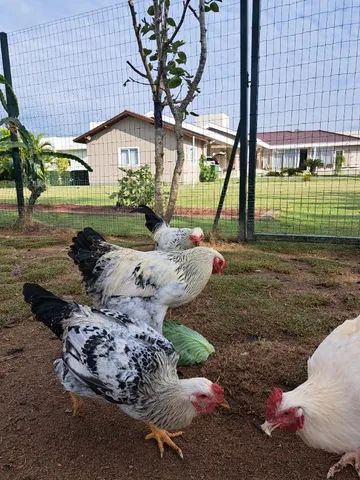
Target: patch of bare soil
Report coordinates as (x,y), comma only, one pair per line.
(109,210)
(40,440)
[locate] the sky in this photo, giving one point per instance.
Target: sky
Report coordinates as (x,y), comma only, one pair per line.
(69,63)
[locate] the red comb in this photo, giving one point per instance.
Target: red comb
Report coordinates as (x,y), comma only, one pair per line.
(273,402)
(217,389)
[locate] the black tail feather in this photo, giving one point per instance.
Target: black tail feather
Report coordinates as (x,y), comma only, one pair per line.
(47,307)
(87,247)
(153,221)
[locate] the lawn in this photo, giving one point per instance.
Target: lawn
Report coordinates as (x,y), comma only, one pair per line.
(274,304)
(323,206)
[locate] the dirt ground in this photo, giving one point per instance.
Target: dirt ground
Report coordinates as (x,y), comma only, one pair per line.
(255,350)
(182,211)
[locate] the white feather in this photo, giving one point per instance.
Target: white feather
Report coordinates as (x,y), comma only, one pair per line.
(330,398)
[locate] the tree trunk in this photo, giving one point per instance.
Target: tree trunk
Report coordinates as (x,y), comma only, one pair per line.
(159,157)
(177,170)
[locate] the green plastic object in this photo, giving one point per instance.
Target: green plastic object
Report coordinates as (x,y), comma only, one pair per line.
(192,347)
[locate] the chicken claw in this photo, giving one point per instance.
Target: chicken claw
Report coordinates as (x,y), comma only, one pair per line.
(162,436)
(77,404)
(352,458)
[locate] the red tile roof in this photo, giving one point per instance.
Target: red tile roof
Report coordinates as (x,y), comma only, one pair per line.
(297,137)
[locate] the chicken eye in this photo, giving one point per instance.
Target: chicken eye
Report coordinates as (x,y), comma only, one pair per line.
(202,396)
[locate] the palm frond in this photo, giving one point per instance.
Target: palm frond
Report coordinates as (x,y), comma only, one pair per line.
(70,157)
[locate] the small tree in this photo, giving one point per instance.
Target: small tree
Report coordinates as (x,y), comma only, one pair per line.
(339,162)
(171,84)
(36,154)
(314,164)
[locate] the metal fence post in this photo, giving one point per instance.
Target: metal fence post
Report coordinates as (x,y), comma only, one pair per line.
(15,151)
(244,83)
(227,180)
(254,86)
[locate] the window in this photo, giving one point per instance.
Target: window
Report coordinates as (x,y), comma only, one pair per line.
(129,157)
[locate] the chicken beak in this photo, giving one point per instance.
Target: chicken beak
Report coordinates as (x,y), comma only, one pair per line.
(267,428)
(225,404)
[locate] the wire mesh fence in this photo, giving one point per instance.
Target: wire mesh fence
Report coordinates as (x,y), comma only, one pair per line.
(69,78)
(308,141)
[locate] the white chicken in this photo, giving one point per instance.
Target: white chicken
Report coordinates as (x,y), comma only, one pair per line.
(110,356)
(168,238)
(325,410)
(142,284)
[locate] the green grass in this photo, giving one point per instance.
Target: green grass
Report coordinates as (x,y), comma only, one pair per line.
(265,293)
(323,206)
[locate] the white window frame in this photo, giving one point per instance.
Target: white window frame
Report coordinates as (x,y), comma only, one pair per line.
(120,149)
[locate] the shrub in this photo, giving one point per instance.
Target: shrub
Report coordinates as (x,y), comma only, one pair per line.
(56,178)
(314,164)
(136,187)
(307,176)
(339,162)
(291,172)
(208,172)
(274,174)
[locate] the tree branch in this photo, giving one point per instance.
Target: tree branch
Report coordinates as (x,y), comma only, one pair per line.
(179,25)
(202,60)
(194,12)
(136,70)
(136,27)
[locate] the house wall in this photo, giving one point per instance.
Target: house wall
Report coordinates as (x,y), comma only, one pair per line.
(278,159)
(103,151)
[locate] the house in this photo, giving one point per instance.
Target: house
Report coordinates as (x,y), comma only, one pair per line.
(127,141)
(291,149)
(78,173)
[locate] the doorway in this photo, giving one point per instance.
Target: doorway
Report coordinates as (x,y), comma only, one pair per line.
(303,158)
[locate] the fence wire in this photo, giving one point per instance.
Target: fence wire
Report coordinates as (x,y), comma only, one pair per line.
(69,77)
(308,141)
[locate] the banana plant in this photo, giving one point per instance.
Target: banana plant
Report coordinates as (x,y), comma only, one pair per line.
(35,153)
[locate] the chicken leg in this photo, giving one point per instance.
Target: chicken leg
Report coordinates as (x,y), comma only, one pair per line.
(77,404)
(352,458)
(162,436)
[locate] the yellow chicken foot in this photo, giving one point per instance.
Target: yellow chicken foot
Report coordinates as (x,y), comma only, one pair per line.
(77,404)
(162,436)
(352,458)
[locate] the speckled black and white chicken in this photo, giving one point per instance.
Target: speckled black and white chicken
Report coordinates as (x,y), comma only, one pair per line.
(168,238)
(110,356)
(142,284)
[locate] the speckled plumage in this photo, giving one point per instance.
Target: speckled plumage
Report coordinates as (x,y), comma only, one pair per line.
(141,284)
(110,356)
(166,238)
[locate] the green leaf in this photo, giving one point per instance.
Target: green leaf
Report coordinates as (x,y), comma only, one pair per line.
(152,37)
(12,96)
(147,51)
(214,7)
(182,58)
(69,156)
(177,44)
(177,71)
(153,57)
(151,11)
(192,347)
(174,82)
(3,102)
(170,21)
(194,114)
